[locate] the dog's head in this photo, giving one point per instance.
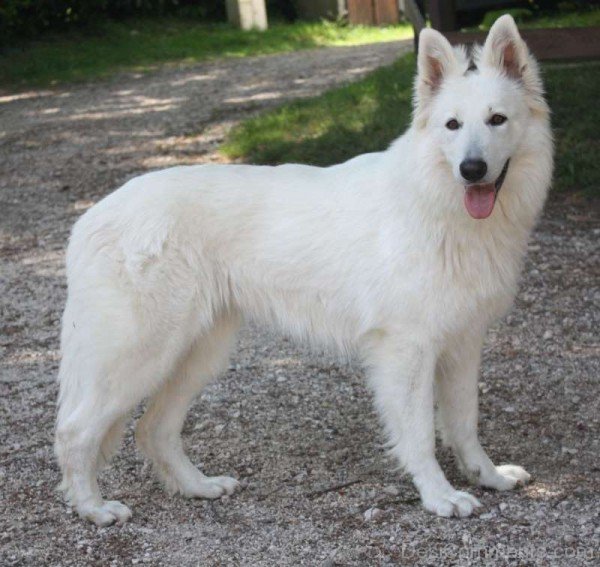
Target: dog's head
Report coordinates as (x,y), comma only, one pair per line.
(478,107)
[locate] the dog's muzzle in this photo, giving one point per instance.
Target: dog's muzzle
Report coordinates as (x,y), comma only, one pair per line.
(480,198)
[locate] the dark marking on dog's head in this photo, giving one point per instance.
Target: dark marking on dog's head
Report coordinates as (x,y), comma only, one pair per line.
(471,59)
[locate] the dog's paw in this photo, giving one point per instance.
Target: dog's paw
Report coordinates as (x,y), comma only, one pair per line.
(452,503)
(505,477)
(209,487)
(108,513)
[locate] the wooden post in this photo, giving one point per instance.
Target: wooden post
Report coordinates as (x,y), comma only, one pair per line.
(413,13)
(373,12)
(247,14)
(442,14)
(361,12)
(386,12)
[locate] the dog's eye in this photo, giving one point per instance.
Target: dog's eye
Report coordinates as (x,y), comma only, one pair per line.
(498,119)
(452,124)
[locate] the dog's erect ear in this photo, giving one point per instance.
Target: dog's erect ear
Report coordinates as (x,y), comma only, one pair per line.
(505,49)
(435,62)
(436,58)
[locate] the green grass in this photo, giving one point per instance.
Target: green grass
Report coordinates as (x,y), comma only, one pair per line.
(143,44)
(343,122)
(529,19)
(367,115)
(573,95)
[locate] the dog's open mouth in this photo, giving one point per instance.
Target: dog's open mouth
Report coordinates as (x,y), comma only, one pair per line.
(481,197)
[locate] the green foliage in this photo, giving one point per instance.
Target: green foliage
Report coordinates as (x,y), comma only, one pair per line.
(26,19)
(534,18)
(366,116)
(562,5)
(520,15)
(568,19)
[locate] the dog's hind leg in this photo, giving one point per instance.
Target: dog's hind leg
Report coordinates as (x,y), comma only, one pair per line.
(100,383)
(78,440)
(90,417)
(158,432)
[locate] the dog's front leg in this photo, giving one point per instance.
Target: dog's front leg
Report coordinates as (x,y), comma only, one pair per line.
(457,398)
(402,375)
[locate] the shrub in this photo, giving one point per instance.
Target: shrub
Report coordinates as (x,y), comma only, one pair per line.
(519,14)
(26,19)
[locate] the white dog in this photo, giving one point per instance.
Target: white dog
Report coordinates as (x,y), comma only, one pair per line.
(386,255)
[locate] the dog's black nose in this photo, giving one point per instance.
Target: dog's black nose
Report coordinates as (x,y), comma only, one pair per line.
(473,169)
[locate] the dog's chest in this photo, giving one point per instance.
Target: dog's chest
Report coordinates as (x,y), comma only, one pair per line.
(445,279)
(472,279)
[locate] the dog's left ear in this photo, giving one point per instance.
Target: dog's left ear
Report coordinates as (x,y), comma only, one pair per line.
(505,50)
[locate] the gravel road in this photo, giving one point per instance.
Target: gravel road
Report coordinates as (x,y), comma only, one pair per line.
(295,427)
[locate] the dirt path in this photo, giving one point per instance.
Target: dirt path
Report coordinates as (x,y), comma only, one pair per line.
(291,425)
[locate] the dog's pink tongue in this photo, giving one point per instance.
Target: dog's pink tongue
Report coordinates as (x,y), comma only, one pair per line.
(479,200)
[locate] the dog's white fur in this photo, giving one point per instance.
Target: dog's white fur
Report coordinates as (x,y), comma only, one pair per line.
(376,256)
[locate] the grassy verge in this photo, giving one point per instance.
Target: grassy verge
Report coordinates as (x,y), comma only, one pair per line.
(366,115)
(343,122)
(142,44)
(529,19)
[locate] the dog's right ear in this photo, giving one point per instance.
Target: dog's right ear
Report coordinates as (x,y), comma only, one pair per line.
(435,61)
(436,58)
